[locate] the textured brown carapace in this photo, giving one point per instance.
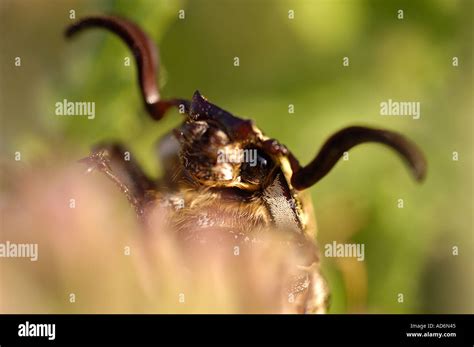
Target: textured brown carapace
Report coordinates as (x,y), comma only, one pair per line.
(240,199)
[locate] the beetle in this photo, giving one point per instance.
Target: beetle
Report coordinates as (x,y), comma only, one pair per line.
(200,187)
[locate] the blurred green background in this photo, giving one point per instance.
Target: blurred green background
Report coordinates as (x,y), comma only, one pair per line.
(282,62)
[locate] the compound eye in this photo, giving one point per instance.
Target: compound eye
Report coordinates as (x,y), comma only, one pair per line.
(255,167)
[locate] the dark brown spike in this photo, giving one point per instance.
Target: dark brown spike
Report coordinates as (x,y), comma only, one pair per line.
(146,57)
(236,128)
(345,139)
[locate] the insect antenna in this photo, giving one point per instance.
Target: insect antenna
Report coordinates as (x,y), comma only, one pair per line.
(334,148)
(146,57)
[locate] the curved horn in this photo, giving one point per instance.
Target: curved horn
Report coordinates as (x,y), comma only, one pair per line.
(349,137)
(146,58)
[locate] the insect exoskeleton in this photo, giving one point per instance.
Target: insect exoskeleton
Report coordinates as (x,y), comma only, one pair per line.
(224,177)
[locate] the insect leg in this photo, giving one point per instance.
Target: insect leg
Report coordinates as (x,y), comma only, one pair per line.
(317,300)
(117,164)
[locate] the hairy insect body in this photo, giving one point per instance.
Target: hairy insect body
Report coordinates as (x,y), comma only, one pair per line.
(228,218)
(215,219)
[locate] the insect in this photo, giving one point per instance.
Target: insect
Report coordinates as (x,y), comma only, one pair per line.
(204,188)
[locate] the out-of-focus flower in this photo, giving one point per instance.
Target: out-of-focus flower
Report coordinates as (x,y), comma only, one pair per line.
(94,256)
